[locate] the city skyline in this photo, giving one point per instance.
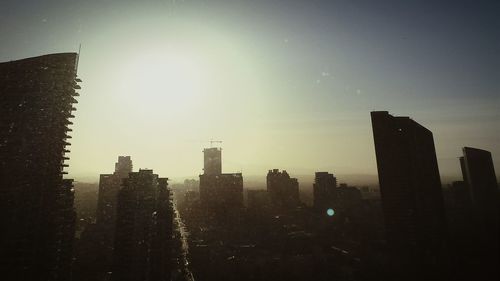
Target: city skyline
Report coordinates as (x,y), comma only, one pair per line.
(251,140)
(297,81)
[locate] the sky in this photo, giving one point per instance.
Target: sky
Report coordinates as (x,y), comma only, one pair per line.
(284,84)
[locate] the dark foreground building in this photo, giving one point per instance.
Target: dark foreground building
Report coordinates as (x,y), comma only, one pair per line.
(36,204)
(411,194)
(143,249)
(479,176)
(482,203)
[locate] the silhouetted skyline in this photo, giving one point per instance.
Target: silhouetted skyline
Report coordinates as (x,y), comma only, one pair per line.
(267,77)
(137,231)
(285,87)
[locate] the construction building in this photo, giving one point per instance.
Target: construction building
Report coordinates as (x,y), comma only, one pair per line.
(217,189)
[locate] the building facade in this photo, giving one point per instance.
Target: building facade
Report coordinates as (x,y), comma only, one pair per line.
(479,175)
(283,190)
(36,203)
(480,183)
(101,234)
(347,197)
(258,200)
(324,191)
(109,185)
(219,190)
(410,188)
(212,161)
(144,220)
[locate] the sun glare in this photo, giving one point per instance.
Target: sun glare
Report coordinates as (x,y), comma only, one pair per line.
(167,78)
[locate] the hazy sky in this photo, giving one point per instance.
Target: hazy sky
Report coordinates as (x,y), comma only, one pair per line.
(285,84)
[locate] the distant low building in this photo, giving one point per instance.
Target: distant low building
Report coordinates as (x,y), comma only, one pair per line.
(191,184)
(347,197)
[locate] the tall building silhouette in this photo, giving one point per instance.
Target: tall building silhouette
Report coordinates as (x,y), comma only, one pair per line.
(324,191)
(36,204)
(410,188)
(102,233)
(143,229)
(482,189)
(217,189)
(283,190)
(109,185)
(479,174)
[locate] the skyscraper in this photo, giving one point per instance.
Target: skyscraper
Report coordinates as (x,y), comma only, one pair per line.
(36,204)
(480,180)
(479,175)
(410,189)
(217,189)
(324,189)
(143,229)
(283,190)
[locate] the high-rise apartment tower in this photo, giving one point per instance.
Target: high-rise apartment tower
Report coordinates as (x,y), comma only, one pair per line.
(410,188)
(36,204)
